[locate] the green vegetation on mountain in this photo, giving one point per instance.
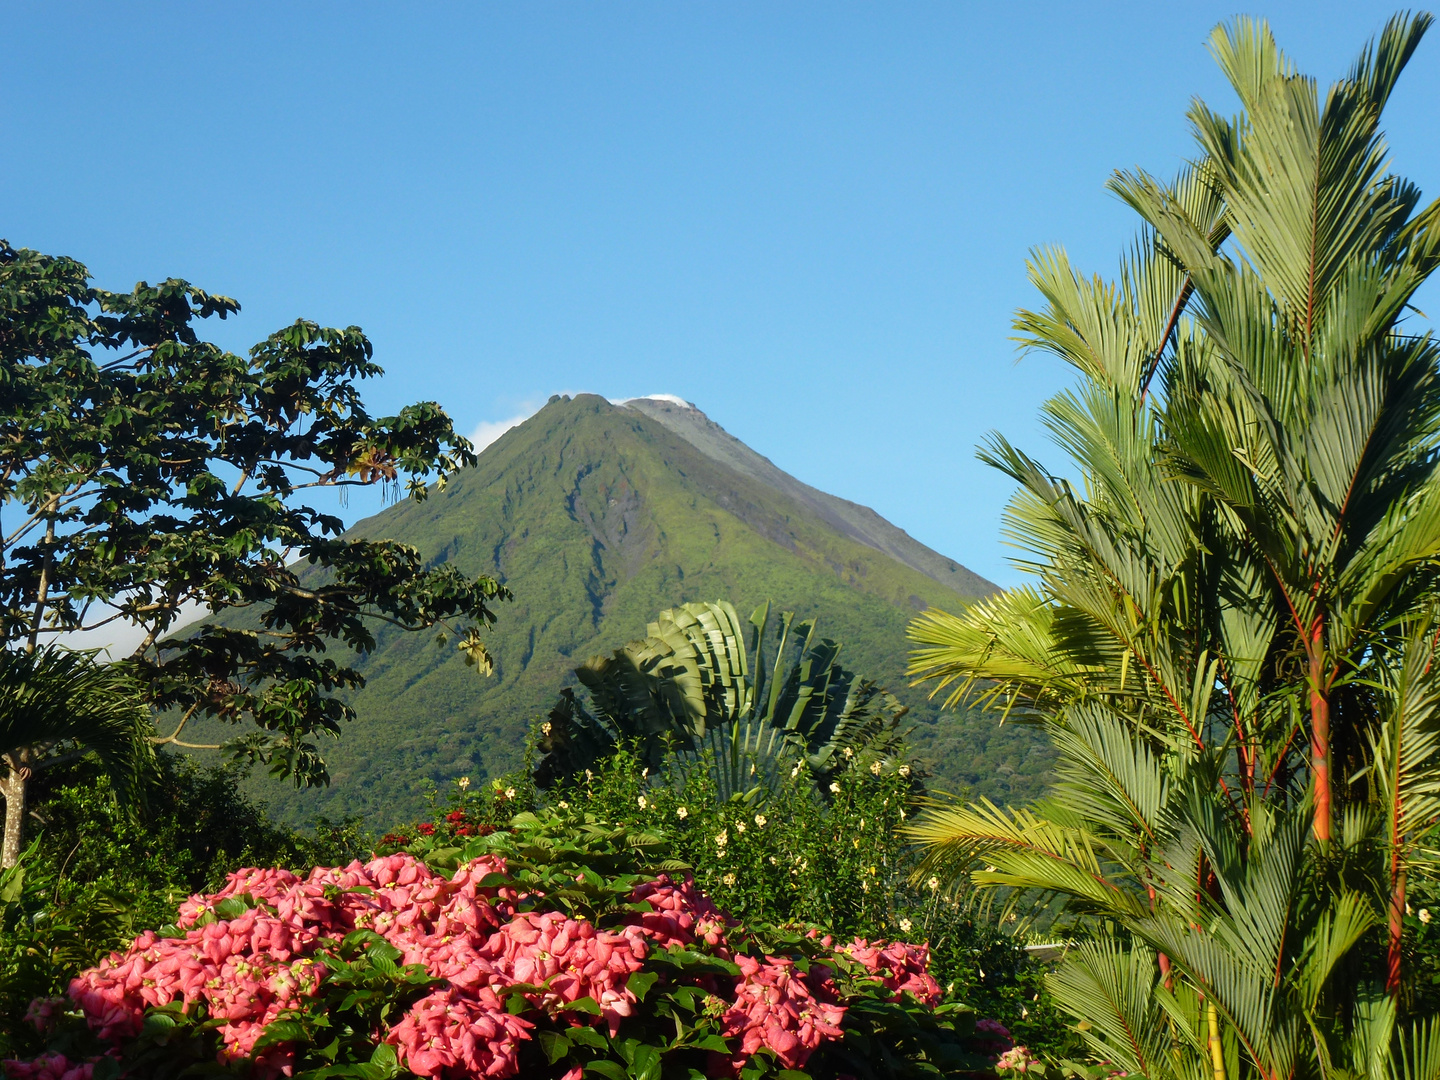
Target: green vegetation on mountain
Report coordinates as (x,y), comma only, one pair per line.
(597,516)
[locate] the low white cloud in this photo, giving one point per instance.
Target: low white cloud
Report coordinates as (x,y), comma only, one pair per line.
(672,398)
(487,431)
(118,638)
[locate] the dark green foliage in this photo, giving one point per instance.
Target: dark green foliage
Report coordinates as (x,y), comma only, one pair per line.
(599,517)
(793,858)
(690,689)
(95,876)
(146,471)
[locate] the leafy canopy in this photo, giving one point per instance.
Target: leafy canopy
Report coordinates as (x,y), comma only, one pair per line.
(146,474)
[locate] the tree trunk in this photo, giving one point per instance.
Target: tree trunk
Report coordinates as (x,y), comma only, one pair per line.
(1319,737)
(1397,926)
(13,788)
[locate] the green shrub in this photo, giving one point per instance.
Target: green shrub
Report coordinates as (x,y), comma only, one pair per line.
(833,859)
(93,876)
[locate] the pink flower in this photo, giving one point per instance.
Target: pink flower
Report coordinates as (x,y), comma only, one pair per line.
(43,1013)
(682,914)
(49,1067)
(901,967)
(452,1034)
(780,1010)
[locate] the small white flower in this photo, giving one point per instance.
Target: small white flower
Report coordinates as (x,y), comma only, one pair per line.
(774,861)
(849,753)
(546,728)
(1010,917)
(876,768)
(643,803)
(1424,915)
(902,813)
(862,824)
(904,770)
(905,926)
(728,879)
(722,838)
(589,776)
(834,787)
(795,771)
(509,792)
(740,826)
(563,805)
(760,820)
(682,813)
(463,783)
(934,883)
(645,772)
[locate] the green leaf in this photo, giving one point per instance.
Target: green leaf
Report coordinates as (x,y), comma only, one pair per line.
(609,1069)
(588,1036)
(584,1004)
(232,907)
(555,1046)
(640,983)
(645,1065)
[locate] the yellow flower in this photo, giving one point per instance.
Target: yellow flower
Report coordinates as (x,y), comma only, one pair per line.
(682,813)
(728,879)
(760,820)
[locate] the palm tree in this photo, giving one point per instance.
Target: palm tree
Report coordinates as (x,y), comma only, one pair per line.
(1246,567)
(690,688)
(55,703)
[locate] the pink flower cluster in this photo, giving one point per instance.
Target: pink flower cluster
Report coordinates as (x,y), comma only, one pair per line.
(1016,1059)
(49,1067)
(899,966)
(778,1008)
(250,968)
(682,915)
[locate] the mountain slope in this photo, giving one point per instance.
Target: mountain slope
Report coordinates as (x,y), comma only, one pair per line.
(856,521)
(598,517)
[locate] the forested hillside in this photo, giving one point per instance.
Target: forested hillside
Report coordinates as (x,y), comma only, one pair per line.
(598,517)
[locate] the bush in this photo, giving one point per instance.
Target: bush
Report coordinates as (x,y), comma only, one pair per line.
(546,949)
(94,876)
(835,860)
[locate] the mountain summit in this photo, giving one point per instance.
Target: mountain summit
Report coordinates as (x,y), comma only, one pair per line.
(598,516)
(855,521)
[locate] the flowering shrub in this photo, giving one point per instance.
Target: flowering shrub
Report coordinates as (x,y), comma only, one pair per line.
(840,861)
(531,952)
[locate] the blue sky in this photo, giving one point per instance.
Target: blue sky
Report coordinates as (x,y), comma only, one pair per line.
(809,219)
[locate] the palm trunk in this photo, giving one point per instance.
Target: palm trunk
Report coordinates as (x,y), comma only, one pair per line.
(13,788)
(1397,925)
(1319,737)
(1217,1048)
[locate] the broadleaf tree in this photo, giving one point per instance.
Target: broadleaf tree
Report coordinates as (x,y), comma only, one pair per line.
(147,474)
